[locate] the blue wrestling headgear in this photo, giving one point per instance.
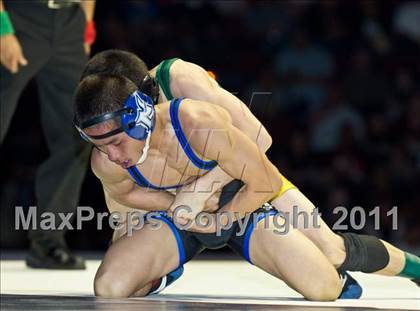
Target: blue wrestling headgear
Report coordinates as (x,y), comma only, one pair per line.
(136,119)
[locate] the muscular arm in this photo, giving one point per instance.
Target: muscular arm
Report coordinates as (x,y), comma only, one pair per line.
(130,200)
(120,190)
(237,155)
(191,81)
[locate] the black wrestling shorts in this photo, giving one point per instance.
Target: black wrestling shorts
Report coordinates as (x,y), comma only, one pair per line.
(236,237)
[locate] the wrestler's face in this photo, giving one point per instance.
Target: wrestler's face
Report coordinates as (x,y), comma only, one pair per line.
(120,148)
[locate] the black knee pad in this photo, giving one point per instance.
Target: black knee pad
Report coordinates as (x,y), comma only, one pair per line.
(364,253)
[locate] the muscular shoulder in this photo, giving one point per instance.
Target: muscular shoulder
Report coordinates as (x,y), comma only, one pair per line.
(197,114)
(207,128)
(105,170)
(190,80)
(182,68)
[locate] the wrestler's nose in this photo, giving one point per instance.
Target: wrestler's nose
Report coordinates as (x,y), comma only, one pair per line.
(114,155)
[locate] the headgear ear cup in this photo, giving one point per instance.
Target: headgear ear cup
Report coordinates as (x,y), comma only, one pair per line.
(150,87)
(139,120)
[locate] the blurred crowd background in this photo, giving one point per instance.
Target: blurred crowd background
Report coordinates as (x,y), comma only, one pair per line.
(336,83)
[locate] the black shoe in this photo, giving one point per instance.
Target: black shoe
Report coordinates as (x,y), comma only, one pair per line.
(52,254)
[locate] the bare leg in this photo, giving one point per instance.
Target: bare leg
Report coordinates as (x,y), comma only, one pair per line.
(330,243)
(396,261)
(293,258)
(143,291)
(131,263)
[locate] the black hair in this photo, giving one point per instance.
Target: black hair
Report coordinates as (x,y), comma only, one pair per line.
(117,62)
(99,94)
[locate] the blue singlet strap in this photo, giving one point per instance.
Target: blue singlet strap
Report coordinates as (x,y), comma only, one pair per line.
(173,110)
(143,182)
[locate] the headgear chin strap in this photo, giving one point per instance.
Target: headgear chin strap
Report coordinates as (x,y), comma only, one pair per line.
(137,119)
(145,150)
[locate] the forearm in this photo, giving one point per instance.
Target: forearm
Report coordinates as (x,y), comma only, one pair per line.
(1,6)
(255,193)
(142,199)
(205,186)
(88,7)
(245,202)
(261,178)
(239,157)
(123,213)
(116,207)
(128,211)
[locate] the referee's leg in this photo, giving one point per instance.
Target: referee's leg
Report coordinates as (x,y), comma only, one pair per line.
(35,51)
(59,178)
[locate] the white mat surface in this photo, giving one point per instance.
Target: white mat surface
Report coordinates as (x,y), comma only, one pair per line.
(212,281)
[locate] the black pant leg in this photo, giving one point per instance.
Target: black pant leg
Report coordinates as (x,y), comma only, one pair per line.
(36,49)
(59,178)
